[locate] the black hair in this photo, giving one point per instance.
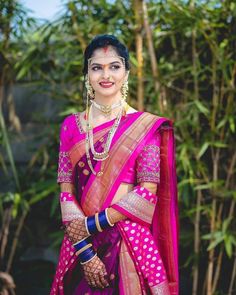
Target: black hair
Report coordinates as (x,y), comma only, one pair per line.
(101,41)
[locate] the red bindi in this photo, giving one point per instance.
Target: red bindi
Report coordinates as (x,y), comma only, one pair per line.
(105,49)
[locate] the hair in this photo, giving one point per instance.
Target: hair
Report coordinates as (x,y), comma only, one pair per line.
(101,41)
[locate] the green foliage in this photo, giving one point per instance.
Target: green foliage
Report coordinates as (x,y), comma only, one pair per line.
(195,49)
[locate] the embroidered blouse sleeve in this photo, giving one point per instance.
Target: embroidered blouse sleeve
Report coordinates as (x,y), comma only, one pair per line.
(64,163)
(148,161)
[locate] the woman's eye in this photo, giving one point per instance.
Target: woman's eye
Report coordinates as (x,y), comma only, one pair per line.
(115,67)
(96,68)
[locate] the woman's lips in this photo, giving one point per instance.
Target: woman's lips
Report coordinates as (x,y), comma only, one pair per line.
(106,84)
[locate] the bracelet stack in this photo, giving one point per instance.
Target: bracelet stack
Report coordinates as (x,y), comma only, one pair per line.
(84,249)
(97,222)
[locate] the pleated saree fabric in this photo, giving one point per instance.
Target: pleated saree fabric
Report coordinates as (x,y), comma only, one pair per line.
(141,252)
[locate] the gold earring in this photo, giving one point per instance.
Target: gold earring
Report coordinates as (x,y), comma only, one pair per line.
(90,91)
(124,89)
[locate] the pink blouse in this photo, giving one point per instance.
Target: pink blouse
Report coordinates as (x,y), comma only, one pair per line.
(147,167)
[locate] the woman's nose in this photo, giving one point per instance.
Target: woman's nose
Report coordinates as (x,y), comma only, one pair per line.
(106,72)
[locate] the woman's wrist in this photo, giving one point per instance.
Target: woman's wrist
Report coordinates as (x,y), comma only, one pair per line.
(98,222)
(114,215)
(84,250)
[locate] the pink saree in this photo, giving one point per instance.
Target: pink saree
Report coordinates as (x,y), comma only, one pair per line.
(140,253)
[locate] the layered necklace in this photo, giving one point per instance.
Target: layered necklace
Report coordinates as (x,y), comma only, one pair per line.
(107,109)
(89,140)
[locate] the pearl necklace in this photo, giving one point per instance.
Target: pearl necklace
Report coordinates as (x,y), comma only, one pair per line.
(106,109)
(89,142)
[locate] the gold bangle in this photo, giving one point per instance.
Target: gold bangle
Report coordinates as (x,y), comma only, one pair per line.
(108,220)
(97,223)
(83,249)
(86,227)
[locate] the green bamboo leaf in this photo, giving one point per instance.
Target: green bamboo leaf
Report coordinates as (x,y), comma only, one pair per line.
(226,224)
(44,194)
(214,243)
(228,245)
(214,235)
(221,123)
(232,124)
(219,144)
(203,109)
(203,149)
(133,60)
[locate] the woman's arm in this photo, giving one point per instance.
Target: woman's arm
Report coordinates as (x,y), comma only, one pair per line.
(116,216)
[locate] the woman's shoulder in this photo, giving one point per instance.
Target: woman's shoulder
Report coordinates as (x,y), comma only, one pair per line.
(157,117)
(71,121)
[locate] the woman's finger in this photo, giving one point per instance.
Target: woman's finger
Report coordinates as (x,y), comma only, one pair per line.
(103,279)
(97,281)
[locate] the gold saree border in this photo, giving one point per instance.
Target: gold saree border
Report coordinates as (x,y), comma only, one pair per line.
(70,211)
(161,289)
(119,154)
(137,206)
(130,278)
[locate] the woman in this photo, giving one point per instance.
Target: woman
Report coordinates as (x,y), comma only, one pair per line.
(118,188)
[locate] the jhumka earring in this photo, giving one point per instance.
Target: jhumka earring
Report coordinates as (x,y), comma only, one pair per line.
(124,90)
(90,91)
(124,93)
(90,95)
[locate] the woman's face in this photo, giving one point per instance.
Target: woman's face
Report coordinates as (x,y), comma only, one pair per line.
(106,72)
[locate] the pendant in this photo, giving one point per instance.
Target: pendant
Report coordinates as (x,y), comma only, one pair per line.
(100,173)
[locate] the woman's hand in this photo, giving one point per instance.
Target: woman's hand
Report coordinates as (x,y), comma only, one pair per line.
(95,272)
(76,230)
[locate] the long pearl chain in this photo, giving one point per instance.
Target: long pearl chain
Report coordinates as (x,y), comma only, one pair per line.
(89,141)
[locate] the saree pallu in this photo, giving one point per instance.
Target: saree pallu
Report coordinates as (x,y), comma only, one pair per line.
(129,272)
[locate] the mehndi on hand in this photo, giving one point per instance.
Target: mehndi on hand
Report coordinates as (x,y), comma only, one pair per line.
(95,273)
(76,230)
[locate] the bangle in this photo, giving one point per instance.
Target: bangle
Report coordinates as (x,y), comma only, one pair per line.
(89,259)
(97,220)
(91,225)
(86,226)
(79,245)
(83,249)
(108,220)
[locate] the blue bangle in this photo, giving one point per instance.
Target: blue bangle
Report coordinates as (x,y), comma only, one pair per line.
(103,220)
(79,245)
(91,225)
(86,255)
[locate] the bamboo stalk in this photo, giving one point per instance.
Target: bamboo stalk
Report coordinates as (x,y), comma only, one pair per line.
(15,241)
(5,231)
(139,53)
(154,64)
(217,271)
(77,30)
(13,118)
(233,277)
(196,242)
(210,269)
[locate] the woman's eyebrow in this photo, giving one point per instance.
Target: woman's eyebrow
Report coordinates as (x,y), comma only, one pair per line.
(97,64)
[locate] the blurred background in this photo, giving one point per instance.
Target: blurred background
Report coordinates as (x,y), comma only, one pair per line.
(183,67)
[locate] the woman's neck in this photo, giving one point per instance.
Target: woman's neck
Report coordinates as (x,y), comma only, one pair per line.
(108,100)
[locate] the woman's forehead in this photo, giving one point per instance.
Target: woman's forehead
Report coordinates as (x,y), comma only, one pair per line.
(104,51)
(106,60)
(105,55)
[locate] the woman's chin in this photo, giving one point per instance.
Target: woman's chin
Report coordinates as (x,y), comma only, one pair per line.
(108,93)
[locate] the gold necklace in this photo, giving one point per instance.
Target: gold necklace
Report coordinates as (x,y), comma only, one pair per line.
(89,142)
